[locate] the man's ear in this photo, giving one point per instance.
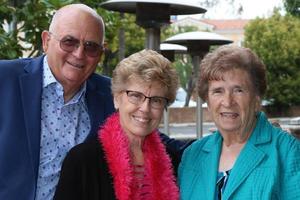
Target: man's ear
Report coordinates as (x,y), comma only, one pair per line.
(45,40)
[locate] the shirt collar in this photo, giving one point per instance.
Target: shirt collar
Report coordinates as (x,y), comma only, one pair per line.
(49,79)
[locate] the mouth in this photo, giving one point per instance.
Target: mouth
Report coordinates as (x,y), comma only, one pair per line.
(75,65)
(141,119)
(229,115)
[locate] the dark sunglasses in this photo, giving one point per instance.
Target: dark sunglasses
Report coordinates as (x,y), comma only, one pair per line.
(70,44)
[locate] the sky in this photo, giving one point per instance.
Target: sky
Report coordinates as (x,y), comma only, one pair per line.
(251,9)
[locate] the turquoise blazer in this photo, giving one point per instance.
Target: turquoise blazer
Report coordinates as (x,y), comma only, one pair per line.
(268,167)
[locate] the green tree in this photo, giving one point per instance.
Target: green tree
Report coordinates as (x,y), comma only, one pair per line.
(276,41)
(292,7)
(8,43)
(134,35)
(21,25)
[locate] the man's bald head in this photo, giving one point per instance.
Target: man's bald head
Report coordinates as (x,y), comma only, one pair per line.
(75,10)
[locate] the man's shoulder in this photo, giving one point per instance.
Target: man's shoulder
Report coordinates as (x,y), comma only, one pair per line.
(15,62)
(100,78)
(99,83)
(8,67)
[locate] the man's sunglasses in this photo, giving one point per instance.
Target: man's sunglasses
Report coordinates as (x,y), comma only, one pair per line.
(70,44)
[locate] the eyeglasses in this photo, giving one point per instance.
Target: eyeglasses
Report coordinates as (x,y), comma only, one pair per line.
(70,44)
(138,98)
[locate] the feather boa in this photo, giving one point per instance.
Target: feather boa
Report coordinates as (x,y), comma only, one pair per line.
(116,148)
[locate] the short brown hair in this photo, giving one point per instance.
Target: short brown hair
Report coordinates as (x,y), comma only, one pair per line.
(229,57)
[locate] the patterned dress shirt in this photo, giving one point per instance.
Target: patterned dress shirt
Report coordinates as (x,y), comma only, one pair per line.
(63,125)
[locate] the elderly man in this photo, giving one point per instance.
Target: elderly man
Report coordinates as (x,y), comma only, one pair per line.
(51,103)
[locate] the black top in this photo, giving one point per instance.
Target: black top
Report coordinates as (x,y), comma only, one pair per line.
(93,180)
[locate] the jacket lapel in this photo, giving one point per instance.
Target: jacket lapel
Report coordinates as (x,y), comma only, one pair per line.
(249,159)
(31,88)
(212,150)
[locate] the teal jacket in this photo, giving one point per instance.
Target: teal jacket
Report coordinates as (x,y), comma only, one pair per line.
(268,167)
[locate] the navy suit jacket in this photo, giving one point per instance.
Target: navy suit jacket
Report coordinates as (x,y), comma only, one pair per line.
(20,118)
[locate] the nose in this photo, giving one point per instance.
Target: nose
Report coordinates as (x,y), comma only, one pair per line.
(145,106)
(79,51)
(228,99)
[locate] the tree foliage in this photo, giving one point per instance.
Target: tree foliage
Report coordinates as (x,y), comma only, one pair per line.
(292,7)
(21,25)
(276,41)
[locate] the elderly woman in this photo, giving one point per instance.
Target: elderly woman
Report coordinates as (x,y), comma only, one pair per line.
(247,157)
(129,160)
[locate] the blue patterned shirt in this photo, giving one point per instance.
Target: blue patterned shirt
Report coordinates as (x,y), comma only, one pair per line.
(63,125)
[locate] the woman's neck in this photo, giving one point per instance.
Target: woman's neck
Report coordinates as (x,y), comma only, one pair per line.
(229,154)
(136,150)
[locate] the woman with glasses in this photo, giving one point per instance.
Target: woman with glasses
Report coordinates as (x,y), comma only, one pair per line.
(247,157)
(129,160)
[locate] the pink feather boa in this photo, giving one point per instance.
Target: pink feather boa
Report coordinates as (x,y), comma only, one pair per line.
(116,148)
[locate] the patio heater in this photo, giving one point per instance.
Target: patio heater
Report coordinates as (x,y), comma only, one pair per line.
(153,14)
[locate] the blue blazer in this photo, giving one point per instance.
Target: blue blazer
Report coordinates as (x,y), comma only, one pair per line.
(20,117)
(268,167)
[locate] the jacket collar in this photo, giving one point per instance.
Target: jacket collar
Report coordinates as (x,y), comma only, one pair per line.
(116,148)
(262,131)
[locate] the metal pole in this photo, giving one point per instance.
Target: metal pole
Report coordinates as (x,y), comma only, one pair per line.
(199,118)
(199,110)
(153,38)
(166,122)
